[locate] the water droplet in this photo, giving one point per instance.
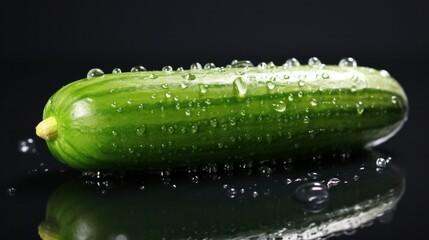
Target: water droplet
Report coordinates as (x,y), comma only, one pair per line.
(265,170)
(189,76)
(262,65)
(203,88)
(313,102)
(325,75)
(271,65)
(195,179)
(164,85)
(138,69)
(286,76)
(114,133)
(240,86)
(290,97)
(213,122)
(313,175)
(167,69)
(231,192)
(313,195)
(196,66)
(291,62)
(382,162)
(271,85)
(280,106)
(384,73)
(347,62)
(152,76)
(209,66)
(301,83)
(241,64)
(188,112)
(141,130)
(184,85)
(359,107)
(116,70)
(180,69)
(306,119)
(314,62)
(333,182)
(355,177)
(255,194)
(27,146)
(11,191)
(95,72)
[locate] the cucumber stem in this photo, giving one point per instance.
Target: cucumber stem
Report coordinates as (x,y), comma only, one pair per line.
(47,129)
(48,230)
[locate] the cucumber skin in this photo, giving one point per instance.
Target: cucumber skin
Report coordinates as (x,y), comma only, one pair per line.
(148,120)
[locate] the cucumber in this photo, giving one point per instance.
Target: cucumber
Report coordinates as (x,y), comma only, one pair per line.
(106,209)
(155,119)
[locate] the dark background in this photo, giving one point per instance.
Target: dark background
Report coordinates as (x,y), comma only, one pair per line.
(47,44)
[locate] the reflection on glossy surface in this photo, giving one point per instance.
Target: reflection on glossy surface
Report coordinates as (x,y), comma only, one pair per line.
(237,205)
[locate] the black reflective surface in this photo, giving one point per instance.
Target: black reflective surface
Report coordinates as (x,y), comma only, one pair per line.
(45,46)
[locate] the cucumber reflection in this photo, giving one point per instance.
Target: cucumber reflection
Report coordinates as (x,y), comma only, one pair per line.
(256,206)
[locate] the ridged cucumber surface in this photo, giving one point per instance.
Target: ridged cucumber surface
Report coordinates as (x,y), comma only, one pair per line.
(152,119)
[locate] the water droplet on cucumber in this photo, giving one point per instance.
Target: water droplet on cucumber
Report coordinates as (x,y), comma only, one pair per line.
(291,62)
(167,69)
(347,62)
(384,73)
(359,107)
(138,69)
(280,106)
(95,72)
(240,86)
(189,76)
(116,70)
(241,64)
(314,62)
(196,66)
(141,130)
(209,66)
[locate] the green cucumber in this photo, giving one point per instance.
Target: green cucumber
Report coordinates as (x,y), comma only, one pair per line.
(154,119)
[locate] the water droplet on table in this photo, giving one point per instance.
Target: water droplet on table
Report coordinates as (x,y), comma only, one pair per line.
(382,162)
(11,191)
(27,146)
(312,195)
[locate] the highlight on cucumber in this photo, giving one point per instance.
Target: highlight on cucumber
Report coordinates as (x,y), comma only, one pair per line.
(136,120)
